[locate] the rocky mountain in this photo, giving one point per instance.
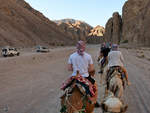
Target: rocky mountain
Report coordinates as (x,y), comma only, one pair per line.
(21,25)
(81,30)
(69,20)
(96,35)
(113,29)
(76,29)
(134,25)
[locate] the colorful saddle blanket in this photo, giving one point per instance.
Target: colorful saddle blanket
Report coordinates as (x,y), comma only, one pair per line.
(89,87)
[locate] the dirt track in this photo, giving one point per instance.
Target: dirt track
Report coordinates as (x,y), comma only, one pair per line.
(30,83)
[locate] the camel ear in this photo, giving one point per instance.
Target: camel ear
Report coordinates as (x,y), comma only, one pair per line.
(104,107)
(124,108)
(92,73)
(63,96)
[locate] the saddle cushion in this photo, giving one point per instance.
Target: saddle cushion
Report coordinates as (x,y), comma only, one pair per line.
(120,74)
(89,87)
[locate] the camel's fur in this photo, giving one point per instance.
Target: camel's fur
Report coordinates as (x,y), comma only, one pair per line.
(113,104)
(103,75)
(115,84)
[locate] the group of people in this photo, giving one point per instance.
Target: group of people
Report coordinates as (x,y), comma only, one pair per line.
(110,54)
(80,61)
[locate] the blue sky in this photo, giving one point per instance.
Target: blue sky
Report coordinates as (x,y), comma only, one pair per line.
(94,12)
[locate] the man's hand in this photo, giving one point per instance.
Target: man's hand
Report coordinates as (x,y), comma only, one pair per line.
(91,67)
(128,83)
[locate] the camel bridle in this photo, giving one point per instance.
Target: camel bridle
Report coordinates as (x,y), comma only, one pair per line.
(83,99)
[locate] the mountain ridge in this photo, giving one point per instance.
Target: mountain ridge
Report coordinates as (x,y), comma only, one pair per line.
(21,25)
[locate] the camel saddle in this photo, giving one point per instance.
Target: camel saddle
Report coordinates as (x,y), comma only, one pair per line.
(86,83)
(119,70)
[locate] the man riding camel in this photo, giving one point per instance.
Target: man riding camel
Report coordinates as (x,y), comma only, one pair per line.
(105,49)
(82,62)
(115,58)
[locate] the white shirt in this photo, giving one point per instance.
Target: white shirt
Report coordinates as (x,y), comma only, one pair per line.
(115,58)
(80,63)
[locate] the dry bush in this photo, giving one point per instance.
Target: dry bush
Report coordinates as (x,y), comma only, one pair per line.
(141,55)
(148,59)
(139,51)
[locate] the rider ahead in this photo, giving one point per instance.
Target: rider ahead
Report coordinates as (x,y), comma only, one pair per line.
(115,58)
(102,59)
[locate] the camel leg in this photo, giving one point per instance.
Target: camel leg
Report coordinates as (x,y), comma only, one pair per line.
(106,93)
(101,78)
(119,89)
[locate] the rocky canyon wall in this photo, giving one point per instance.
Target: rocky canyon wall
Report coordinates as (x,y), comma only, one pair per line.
(134,25)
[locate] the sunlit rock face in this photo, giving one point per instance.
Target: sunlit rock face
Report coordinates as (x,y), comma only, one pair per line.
(80,30)
(97,31)
(76,29)
(96,35)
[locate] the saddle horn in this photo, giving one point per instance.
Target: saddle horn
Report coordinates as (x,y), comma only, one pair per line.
(78,72)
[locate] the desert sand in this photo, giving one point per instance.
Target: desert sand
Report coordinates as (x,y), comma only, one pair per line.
(30,83)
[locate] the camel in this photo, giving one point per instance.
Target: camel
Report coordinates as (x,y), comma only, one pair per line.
(114,84)
(76,101)
(103,70)
(112,104)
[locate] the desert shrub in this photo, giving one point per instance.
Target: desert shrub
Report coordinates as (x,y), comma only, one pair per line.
(124,41)
(148,59)
(140,55)
(62,44)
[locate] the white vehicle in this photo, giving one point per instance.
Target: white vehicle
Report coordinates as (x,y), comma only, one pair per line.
(42,49)
(9,52)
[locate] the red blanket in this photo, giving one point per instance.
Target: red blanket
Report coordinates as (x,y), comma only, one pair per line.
(92,88)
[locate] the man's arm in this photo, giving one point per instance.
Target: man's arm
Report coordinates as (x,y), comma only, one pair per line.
(121,57)
(70,68)
(91,67)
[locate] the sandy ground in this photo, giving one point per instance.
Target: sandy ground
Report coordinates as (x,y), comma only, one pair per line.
(30,83)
